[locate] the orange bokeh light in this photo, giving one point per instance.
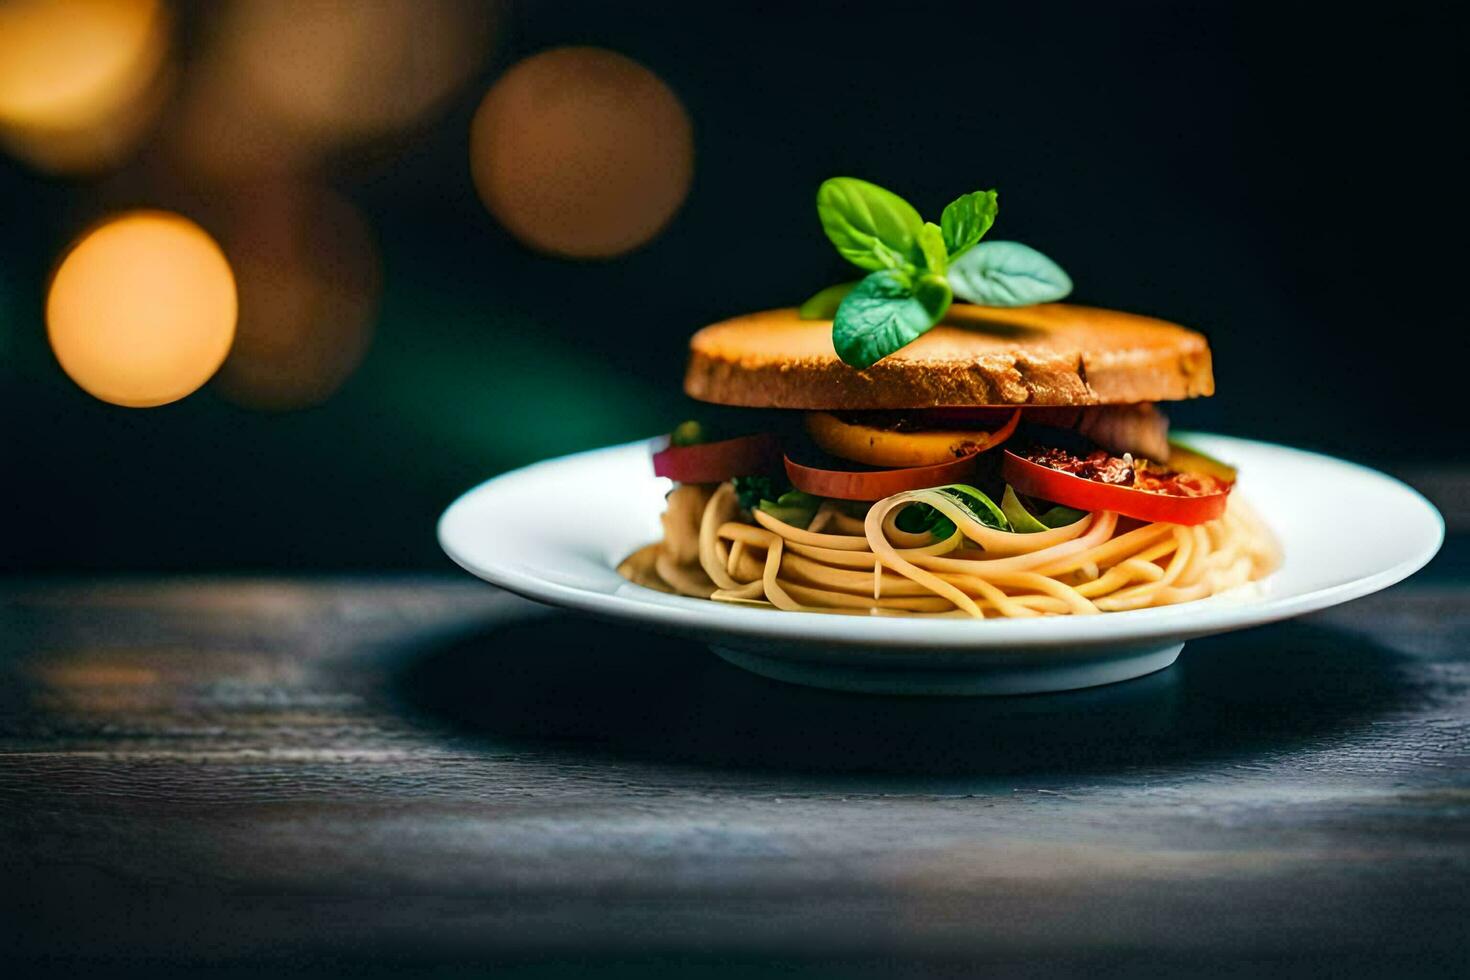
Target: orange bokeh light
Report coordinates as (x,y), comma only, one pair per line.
(80,80)
(281,83)
(142,309)
(582,152)
(309,275)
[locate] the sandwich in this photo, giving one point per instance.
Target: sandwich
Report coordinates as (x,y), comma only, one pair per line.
(886,450)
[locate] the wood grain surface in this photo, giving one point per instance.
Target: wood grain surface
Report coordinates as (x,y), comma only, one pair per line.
(361,776)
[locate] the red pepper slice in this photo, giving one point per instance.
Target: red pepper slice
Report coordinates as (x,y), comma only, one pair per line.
(1194,500)
(716,462)
(877,484)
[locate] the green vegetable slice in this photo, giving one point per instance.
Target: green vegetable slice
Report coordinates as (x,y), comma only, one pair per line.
(1023,522)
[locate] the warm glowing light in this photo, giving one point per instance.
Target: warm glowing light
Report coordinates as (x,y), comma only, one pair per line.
(80,80)
(582,152)
(282,81)
(360,68)
(308,273)
(142,309)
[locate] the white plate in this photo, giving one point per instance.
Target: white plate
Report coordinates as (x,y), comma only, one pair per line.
(556,531)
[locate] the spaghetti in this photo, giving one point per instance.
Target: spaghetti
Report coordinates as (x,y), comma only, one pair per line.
(842,563)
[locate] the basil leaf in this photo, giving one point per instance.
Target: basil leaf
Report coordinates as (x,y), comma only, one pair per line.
(981,507)
(793,507)
(918,518)
(931,244)
(966,220)
(886,311)
(751,490)
(1024,522)
(915,518)
(1007,274)
(823,306)
(873,228)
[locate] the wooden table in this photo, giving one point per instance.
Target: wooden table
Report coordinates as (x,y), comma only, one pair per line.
(355,775)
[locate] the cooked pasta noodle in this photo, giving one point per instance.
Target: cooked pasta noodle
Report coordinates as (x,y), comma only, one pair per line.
(845,564)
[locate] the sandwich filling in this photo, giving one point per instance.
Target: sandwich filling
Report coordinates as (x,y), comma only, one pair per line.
(982,512)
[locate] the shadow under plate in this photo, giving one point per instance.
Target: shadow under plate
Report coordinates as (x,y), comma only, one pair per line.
(587,685)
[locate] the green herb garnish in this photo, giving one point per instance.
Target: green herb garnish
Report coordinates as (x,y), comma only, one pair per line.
(886,311)
(873,228)
(980,506)
(823,306)
(916,268)
(751,490)
(777,498)
(966,220)
(1007,274)
(793,507)
(918,518)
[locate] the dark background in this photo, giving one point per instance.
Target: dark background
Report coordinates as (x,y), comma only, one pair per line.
(1286,178)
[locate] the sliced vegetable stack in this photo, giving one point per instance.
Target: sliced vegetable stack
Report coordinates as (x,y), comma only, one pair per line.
(866,457)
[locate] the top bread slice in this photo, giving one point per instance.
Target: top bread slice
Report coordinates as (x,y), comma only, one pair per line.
(1051,354)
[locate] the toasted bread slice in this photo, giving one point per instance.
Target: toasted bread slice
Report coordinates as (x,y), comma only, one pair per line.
(1052,354)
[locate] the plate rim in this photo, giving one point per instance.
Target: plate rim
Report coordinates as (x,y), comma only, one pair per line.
(688,615)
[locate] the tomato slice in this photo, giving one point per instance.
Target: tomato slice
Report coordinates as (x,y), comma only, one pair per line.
(716,462)
(877,484)
(1193,500)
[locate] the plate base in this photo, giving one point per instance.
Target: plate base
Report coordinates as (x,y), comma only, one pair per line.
(1042,676)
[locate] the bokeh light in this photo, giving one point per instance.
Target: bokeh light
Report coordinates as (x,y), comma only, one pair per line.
(142,309)
(281,82)
(582,152)
(309,276)
(80,80)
